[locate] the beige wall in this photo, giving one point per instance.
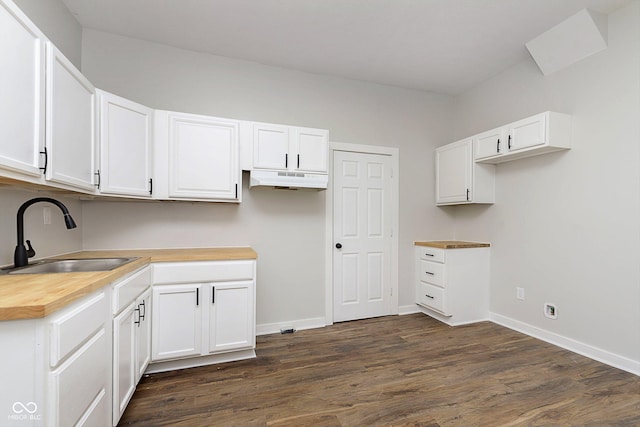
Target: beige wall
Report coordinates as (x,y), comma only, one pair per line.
(286,228)
(566,226)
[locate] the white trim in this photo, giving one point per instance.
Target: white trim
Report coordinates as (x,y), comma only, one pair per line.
(570,344)
(298,325)
(395,224)
(192,362)
(408,309)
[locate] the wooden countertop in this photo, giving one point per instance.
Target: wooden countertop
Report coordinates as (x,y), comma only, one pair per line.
(28,296)
(452,244)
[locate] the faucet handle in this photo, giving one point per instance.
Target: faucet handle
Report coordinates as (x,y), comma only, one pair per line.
(30,251)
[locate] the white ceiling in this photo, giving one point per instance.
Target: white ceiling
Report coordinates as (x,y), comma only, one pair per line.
(445,46)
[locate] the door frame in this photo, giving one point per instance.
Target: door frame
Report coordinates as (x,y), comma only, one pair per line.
(393,152)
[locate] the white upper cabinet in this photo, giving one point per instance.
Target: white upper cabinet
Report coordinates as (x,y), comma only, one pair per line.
(543,133)
(22,94)
(289,148)
(459,180)
(70,128)
(125,146)
(270,146)
(197,158)
(311,148)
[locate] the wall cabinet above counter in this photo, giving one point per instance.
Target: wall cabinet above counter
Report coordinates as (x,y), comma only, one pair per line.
(58,131)
(465,170)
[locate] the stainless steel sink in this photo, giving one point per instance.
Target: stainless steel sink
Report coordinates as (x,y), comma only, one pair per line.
(72,265)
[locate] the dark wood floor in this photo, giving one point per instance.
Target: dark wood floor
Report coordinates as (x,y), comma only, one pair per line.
(394,371)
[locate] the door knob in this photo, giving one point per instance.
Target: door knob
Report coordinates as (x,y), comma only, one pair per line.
(338,245)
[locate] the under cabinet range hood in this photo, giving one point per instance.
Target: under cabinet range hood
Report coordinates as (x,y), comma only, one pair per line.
(289,180)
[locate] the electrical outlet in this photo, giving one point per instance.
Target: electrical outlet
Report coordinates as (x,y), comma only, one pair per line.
(520,293)
(550,310)
(46,214)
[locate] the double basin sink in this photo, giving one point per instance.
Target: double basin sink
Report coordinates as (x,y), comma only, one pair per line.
(71,265)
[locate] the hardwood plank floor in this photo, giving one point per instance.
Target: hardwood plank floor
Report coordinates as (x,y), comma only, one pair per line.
(393,371)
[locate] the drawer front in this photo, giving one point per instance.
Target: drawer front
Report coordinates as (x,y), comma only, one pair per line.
(128,289)
(432,297)
(432,272)
(79,382)
(208,271)
(74,327)
(431,254)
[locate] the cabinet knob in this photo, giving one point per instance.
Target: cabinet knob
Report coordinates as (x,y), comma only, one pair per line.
(338,245)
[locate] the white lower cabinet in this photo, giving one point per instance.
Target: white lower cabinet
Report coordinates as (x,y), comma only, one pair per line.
(58,370)
(131,336)
(452,285)
(204,312)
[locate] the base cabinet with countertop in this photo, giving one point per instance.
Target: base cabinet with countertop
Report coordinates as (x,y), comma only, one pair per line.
(56,370)
(203,312)
(452,280)
(131,305)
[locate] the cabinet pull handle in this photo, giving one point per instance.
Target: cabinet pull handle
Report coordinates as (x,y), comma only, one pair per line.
(467,194)
(213,295)
(430,273)
(428,254)
(298,166)
(498,146)
(150,186)
(509,143)
(97,175)
(144,310)
(197,296)
(46,160)
(429,296)
(286,160)
(137,322)
(236,191)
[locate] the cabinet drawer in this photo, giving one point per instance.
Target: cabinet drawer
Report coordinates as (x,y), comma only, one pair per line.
(431,254)
(432,297)
(128,289)
(208,271)
(80,381)
(74,327)
(432,272)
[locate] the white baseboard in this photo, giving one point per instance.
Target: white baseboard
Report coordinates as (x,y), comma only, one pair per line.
(192,362)
(298,325)
(408,309)
(570,344)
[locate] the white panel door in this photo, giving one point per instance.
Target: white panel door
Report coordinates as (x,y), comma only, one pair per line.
(21,92)
(311,148)
(490,143)
(231,316)
(70,137)
(527,132)
(143,334)
(362,235)
(124,379)
(177,321)
(454,172)
(270,146)
(125,146)
(203,157)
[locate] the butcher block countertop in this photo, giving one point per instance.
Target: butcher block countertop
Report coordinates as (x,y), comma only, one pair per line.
(452,244)
(28,296)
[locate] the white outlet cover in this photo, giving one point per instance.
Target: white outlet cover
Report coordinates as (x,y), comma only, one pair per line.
(520,293)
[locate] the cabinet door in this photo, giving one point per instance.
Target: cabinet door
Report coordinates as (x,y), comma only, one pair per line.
(70,136)
(526,133)
(177,321)
(125,146)
(454,172)
(490,143)
(270,146)
(203,158)
(311,147)
(231,316)
(22,92)
(124,346)
(78,385)
(143,334)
